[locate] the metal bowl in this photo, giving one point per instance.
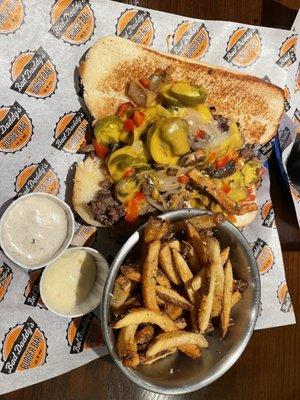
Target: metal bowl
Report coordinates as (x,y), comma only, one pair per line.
(177,374)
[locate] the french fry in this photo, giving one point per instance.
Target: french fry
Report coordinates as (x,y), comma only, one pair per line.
(122,289)
(213,248)
(149,275)
(148,361)
(144,335)
(184,272)
(196,282)
(227,298)
(167,264)
(160,302)
(191,350)
(178,338)
(181,323)
(198,241)
(162,278)
(155,229)
(236,297)
(207,297)
(132,301)
(207,221)
(189,253)
(174,244)
(132,272)
(144,316)
(172,311)
(225,255)
(126,346)
(172,297)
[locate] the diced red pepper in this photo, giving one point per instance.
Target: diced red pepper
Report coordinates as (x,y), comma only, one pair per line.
(184,179)
(221,162)
(100,149)
(129,125)
(200,134)
(251,196)
(145,82)
(226,187)
(133,207)
(129,172)
(138,118)
(123,108)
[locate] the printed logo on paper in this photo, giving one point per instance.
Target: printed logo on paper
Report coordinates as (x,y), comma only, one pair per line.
(284,297)
(24,347)
(264,255)
(267,79)
(191,39)
(287,52)
(6,276)
(15,128)
(243,47)
(34,73)
(266,149)
(32,290)
(72,21)
(137,26)
(39,177)
(12,14)
(267,214)
(71,131)
(84,333)
(285,139)
(83,234)
(287,99)
(297,79)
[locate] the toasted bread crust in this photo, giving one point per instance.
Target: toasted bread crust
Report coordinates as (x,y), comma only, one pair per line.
(87,182)
(113,62)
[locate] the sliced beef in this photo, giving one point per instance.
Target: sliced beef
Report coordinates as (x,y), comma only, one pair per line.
(222,122)
(106,209)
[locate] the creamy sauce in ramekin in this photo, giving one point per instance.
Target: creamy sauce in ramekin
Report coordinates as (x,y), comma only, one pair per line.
(68,281)
(34,230)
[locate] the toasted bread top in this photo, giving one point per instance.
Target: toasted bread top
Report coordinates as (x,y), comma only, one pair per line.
(112,62)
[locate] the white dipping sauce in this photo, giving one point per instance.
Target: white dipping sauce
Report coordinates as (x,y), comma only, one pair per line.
(34,230)
(68,281)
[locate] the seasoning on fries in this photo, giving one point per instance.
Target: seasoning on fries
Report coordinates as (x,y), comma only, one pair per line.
(181,289)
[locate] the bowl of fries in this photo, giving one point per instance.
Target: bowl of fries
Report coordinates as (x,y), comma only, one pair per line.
(181,301)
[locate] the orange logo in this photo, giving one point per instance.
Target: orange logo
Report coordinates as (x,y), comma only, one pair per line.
(71,131)
(32,290)
(284,297)
(72,20)
(267,214)
(83,235)
(6,276)
(243,47)
(33,73)
(287,52)
(12,15)
(191,39)
(264,255)
(24,347)
(137,26)
(287,98)
(297,79)
(37,178)
(15,128)
(84,333)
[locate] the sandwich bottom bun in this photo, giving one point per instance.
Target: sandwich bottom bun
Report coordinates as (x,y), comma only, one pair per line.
(243,220)
(88,177)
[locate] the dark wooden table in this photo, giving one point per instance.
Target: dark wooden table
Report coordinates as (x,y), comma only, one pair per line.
(269,369)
